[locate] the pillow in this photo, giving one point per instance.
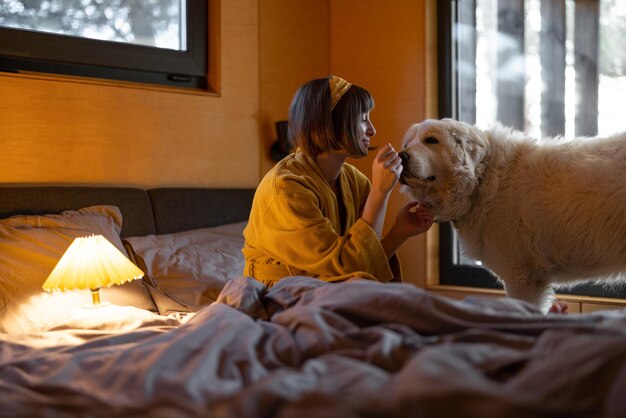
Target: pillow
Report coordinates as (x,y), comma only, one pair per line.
(30,247)
(191,267)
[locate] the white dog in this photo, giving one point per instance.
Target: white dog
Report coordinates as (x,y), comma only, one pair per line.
(535,214)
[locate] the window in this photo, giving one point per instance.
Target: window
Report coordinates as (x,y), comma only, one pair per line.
(528,64)
(150,41)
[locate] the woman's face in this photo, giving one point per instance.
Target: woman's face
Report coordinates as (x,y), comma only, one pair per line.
(365,132)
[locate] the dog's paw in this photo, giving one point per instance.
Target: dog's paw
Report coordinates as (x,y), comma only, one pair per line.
(558,307)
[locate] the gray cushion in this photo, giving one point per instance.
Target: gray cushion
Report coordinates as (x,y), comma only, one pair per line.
(134,203)
(182,209)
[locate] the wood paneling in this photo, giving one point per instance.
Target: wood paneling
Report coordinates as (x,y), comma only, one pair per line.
(383,46)
(593,307)
(575,303)
(68,130)
(459,292)
(294,48)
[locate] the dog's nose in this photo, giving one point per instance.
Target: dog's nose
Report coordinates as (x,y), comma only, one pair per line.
(404,157)
(405,160)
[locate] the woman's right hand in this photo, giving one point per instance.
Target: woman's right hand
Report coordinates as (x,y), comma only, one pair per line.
(386,169)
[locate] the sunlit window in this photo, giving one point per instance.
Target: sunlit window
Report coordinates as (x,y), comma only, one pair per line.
(166,39)
(158,24)
(549,68)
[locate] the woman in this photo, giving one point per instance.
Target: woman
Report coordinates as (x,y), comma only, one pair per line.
(316,215)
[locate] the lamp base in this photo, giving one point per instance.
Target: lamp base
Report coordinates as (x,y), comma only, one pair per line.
(95,296)
(92,306)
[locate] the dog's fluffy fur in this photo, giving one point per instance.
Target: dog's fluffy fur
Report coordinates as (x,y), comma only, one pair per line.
(535,214)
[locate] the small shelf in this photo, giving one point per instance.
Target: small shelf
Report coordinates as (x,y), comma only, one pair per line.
(576,303)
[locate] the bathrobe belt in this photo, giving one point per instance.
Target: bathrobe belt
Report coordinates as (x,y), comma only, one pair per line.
(274,272)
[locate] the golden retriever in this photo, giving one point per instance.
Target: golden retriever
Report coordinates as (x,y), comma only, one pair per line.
(535,213)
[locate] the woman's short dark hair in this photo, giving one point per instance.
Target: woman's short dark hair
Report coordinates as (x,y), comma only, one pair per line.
(316,128)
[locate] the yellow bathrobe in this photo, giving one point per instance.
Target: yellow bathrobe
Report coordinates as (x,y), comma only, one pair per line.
(294,227)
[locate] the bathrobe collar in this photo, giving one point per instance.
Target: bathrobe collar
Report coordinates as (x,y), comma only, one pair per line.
(344,186)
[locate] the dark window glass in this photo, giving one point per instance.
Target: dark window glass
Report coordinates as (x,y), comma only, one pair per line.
(150,41)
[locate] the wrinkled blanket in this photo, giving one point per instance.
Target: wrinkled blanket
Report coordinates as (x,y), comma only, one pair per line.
(307,348)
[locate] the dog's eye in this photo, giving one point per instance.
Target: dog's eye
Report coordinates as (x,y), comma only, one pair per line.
(431,140)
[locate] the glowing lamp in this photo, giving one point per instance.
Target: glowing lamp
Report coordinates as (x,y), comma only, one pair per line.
(91,263)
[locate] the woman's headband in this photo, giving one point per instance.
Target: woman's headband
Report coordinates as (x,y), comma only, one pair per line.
(338,86)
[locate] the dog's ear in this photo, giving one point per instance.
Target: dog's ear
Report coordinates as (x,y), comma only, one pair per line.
(456,136)
(471,142)
(409,135)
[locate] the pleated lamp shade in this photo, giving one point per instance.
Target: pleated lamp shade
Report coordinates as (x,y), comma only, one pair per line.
(91,263)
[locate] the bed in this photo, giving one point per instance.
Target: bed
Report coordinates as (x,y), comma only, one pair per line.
(194,338)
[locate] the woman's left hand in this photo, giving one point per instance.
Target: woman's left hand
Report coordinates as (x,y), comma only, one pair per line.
(414,218)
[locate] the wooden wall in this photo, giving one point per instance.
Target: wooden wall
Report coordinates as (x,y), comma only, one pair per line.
(385,47)
(64,130)
(294,48)
(69,131)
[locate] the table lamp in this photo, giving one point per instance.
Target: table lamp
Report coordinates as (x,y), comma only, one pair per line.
(91,263)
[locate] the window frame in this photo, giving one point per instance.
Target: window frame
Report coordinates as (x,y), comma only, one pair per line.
(451,273)
(24,50)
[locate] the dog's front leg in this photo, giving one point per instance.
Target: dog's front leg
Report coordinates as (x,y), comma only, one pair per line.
(531,290)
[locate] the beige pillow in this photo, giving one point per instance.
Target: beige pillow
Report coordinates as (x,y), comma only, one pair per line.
(30,247)
(191,267)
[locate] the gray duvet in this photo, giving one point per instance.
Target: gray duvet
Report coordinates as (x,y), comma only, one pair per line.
(306,348)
